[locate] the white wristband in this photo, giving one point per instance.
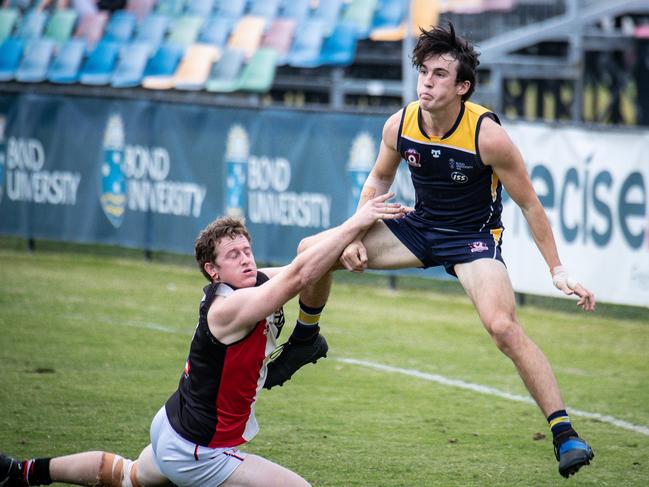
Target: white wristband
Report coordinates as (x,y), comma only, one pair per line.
(560,276)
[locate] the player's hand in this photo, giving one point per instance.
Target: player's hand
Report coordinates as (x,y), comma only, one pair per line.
(354,257)
(569,286)
(377,209)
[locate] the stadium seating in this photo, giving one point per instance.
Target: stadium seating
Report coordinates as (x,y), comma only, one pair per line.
(152,30)
(247,34)
(35,61)
(231,9)
(140,8)
(199,7)
(65,67)
(60,25)
(265,8)
(297,10)
(279,36)
(328,12)
(224,77)
(389,21)
(91,28)
(8,19)
(121,26)
(171,8)
(195,67)
(339,48)
(99,66)
(158,74)
(130,67)
(185,30)
(216,31)
(11,50)
(305,52)
(32,24)
(360,13)
(259,73)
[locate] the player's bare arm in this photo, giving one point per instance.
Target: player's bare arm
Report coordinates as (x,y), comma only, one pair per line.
(498,151)
(231,318)
(378,182)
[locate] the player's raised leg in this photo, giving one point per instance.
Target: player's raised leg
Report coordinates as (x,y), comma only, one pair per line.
(255,470)
(488,285)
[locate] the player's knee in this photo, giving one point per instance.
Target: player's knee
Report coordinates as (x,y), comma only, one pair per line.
(117,471)
(506,332)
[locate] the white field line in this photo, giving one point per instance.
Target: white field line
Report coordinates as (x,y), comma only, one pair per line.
(493,392)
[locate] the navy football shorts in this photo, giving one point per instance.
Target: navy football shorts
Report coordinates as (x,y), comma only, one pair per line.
(434,247)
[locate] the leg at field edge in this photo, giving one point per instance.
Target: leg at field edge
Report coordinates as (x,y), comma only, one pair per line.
(487,283)
(256,471)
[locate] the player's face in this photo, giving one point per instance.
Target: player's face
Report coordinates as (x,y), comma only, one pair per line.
(437,85)
(235,263)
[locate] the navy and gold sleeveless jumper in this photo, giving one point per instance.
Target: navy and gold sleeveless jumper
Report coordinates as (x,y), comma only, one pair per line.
(457,196)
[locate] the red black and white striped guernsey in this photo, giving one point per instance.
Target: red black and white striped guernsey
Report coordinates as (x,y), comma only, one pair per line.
(214,403)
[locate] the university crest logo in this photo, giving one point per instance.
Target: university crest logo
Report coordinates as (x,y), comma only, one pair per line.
(113,182)
(237,152)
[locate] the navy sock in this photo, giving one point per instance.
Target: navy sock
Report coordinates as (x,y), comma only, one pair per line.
(307,327)
(561,427)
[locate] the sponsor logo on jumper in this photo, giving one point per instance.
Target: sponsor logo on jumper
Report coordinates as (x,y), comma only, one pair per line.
(412,157)
(258,187)
(459,177)
(24,174)
(478,247)
(436,153)
(458,165)
(135,177)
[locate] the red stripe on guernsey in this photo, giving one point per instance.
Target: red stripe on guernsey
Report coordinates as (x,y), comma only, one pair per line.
(238,388)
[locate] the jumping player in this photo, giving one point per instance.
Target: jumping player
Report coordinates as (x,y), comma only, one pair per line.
(459,158)
(196,435)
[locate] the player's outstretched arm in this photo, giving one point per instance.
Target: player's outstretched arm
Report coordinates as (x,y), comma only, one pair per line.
(247,306)
(498,151)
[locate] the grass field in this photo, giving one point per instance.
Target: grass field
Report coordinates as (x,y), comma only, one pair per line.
(91,346)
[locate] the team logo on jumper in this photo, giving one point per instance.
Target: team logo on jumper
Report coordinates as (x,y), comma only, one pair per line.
(436,153)
(478,247)
(3,122)
(361,158)
(458,165)
(459,177)
(412,157)
(113,182)
(236,161)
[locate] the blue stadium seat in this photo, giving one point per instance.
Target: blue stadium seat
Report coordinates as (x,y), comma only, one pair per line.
(11,50)
(8,20)
(130,67)
(216,31)
(360,13)
(171,8)
(339,48)
(120,27)
(307,45)
(36,60)
(389,14)
(65,67)
(328,12)
(224,77)
(200,7)
(297,10)
(159,71)
(231,9)
(267,9)
(152,30)
(99,67)
(32,25)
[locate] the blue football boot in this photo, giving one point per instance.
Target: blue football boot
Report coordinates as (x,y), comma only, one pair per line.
(573,454)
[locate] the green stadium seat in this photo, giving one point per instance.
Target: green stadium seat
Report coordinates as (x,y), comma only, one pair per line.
(224,77)
(8,20)
(185,30)
(171,8)
(11,51)
(60,26)
(36,60)
(360,13)
(258,75)
(65,67)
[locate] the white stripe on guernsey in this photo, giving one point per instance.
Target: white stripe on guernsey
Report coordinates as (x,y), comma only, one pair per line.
(494,392)
(438,144)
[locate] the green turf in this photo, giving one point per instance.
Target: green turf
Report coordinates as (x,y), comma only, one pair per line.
(92,345)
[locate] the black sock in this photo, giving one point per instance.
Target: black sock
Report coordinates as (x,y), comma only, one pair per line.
(561,427)
(37,471)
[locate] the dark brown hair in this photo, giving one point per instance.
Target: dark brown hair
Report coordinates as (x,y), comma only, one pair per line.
(443,40)
(208,239)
